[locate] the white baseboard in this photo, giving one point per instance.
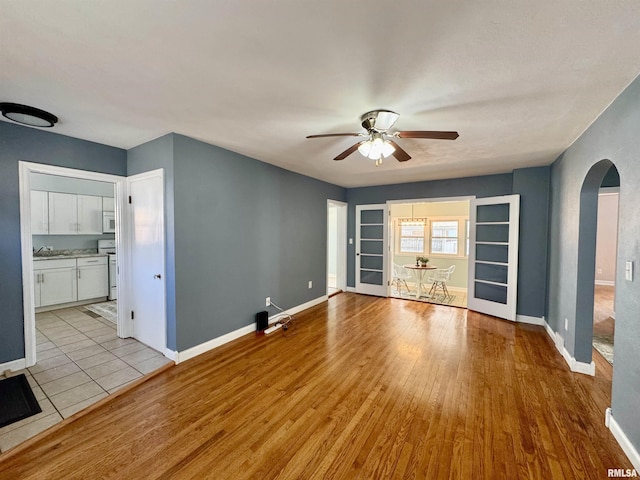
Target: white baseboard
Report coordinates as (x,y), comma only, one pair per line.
(531,320)
(213,343)
(624,442)
(352,289)
(13,365)
(608,283)
(179,357)
(574,365)
(298,309)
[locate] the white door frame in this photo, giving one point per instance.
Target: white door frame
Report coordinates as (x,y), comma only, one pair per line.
(341,273)
(26,242)
(415,200)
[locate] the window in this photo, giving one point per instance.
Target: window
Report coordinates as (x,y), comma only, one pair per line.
(411,237)
(434,236)
(444,237)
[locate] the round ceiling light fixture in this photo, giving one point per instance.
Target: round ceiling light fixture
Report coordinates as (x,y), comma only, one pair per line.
(34,117)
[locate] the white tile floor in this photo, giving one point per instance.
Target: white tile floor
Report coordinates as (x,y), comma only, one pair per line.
(80,361)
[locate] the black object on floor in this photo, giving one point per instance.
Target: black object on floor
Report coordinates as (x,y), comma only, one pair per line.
(16,400)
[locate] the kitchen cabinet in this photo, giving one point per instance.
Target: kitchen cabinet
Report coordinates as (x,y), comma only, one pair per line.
(55,282)
(63,213)
(39,212)
(89,214)
(65,280)
(71,214)
(108,204)
(93,277)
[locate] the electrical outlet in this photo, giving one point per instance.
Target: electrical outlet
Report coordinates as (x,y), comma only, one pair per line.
(566,324)
(599,271)
(268,302)
(310,284)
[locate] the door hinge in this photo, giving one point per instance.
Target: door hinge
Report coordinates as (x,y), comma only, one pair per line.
(132,315)
(129,198)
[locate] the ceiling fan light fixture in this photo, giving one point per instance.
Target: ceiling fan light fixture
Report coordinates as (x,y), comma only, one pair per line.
(365,148)
(377,146)
(26,115)
(387,149)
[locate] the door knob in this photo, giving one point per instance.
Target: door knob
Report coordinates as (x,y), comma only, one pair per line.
(157,276)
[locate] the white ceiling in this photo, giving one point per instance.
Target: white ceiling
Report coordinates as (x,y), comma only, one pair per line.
(519,80)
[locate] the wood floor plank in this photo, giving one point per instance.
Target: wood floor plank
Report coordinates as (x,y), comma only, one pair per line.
(362,387)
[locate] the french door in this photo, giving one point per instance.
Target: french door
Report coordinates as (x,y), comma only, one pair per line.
(493,255)
(371,250)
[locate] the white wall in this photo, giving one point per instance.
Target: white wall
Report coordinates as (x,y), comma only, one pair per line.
(607,238)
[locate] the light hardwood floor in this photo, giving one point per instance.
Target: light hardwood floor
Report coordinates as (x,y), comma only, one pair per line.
(363,387)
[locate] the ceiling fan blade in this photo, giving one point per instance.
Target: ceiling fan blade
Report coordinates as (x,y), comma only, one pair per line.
(349,151)
(428,134)
(335,135)
(399,153)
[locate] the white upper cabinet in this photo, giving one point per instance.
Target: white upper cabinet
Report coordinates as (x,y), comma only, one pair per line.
(39,212)
(71,214)
(63,213)
(108,204)
(89,214)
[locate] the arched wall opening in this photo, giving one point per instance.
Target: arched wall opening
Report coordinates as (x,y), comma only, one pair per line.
(587,230)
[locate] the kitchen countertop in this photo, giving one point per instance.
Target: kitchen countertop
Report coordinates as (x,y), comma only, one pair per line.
(60,254)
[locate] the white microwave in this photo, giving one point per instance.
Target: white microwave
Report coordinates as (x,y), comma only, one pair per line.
(108,222)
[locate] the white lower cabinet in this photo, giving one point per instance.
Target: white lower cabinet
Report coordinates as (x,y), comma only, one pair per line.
(68,280)
(55,282)
(93,278)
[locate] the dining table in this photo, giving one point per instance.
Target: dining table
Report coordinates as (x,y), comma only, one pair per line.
(419,272)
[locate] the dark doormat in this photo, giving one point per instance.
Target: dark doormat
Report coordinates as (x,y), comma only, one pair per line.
(18,401)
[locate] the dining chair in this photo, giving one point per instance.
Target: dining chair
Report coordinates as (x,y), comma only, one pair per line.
(400,277)
(439,279)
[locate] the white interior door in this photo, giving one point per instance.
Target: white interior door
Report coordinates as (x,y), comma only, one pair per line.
(493,255)
(371,250)
(146,258)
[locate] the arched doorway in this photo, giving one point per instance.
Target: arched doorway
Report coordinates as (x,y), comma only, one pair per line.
(586,270)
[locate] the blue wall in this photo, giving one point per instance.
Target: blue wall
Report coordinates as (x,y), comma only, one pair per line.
(153,155)
(613,137)
(532,184)
(245,230)
(37,146)
(238,231)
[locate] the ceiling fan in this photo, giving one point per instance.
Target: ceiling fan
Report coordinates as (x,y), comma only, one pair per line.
(378,143)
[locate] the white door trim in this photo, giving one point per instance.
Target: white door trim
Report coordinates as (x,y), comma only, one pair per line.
(341,274)
(391,232)
(26,243)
